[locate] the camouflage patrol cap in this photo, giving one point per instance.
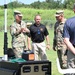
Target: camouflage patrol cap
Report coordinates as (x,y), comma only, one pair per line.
(59,12)
(16,12)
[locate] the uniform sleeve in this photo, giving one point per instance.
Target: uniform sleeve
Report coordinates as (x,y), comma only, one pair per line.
(54,31)
(54,39)
(14,31)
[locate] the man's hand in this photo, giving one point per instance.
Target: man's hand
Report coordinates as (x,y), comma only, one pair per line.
(25,30)
(48,46)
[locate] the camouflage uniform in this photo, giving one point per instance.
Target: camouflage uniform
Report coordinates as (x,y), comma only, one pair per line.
(18,38)
(59,44)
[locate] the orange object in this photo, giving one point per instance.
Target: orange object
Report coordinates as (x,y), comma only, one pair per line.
(31,56)
(28,55)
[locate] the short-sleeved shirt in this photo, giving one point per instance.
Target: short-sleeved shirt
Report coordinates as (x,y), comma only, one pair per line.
(69,30)
(38,33)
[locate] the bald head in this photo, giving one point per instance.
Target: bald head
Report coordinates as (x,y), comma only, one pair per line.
(37,19)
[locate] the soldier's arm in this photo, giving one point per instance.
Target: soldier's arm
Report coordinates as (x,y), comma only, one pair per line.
(15,31)
(54,40)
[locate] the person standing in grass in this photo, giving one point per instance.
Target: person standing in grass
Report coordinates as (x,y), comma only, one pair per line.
(69,39)
(38,33)
(18,32)
(58,43)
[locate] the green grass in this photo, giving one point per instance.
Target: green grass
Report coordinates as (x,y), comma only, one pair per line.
(52,55)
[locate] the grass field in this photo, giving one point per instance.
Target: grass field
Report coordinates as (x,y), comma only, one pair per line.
(28,14)
(50,53)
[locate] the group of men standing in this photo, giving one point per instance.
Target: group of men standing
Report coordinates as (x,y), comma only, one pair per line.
(37,33)
(63,42)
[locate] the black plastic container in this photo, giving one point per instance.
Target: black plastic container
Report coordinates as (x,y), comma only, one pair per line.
(28,55)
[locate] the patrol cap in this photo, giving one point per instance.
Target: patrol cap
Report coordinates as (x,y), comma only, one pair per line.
(59,12)
(16,12)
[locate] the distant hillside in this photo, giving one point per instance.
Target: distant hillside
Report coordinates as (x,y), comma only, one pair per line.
(47,4)
(29,13)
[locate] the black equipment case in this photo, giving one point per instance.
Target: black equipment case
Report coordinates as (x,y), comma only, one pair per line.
(25,68)
(28,55)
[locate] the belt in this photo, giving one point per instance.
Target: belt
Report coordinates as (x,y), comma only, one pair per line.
(37,41)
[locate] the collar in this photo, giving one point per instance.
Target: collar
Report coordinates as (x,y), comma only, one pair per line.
(36,24)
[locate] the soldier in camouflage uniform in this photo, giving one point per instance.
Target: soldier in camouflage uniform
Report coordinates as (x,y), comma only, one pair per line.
(58,43)
(18,32)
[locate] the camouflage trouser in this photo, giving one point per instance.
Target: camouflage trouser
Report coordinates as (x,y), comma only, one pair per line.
(71,61)
(62,58)
(18,51)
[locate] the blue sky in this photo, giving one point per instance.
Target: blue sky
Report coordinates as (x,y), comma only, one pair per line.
(2,2)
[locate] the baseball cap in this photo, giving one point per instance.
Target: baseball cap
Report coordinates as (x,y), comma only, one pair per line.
(59,12)
(16,12)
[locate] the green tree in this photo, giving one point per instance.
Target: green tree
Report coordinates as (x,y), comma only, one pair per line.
(15,4)
(36,5)
(68,4)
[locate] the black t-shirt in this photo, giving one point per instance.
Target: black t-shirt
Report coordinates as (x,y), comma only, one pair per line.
(38,33)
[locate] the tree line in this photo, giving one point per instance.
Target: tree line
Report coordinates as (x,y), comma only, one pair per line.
(47,4)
